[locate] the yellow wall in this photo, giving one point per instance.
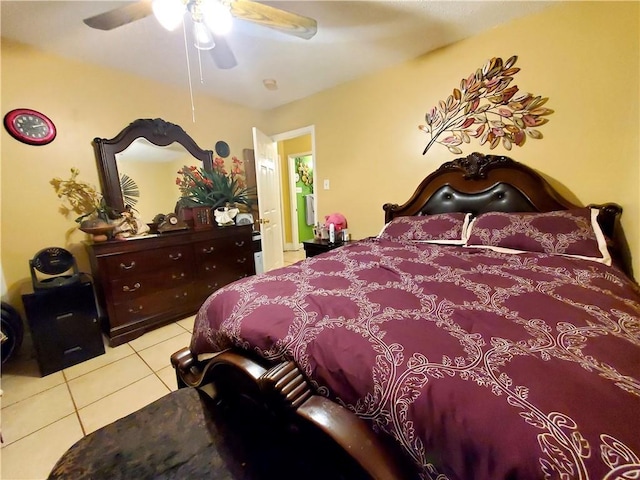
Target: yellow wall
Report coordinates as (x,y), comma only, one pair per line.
(584,56)
(157,185)
(84,102)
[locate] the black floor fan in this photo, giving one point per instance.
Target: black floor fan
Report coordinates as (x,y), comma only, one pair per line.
(12,332)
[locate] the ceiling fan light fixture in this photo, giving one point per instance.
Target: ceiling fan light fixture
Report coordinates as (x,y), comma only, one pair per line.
(169,13)
(202,36)
(216,16)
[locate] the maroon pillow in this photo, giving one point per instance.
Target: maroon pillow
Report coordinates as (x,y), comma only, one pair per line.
(565,232)
(444,228)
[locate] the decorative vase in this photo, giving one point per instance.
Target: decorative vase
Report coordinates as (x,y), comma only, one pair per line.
(224,215)
(97,228)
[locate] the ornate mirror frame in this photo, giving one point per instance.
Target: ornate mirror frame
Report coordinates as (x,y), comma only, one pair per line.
(156,131)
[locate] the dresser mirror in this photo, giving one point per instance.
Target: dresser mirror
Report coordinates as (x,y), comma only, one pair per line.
(150,152)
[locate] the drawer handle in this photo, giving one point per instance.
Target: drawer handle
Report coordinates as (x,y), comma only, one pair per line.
(176,277)
(175,257)
(240,243)
(127,267)
(136,310)
(184,294)
(208,250)
(208,268)
(64,315)
(135,287)
(241,260)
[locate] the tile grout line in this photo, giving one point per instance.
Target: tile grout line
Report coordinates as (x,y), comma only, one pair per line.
(75,406)
(76,409)
(6,444)
(116,391)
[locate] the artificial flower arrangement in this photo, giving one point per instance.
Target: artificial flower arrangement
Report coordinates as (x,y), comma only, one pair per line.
(215,188)
(95,216)
(80,198)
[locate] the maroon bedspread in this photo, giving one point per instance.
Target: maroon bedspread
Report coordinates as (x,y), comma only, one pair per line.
(482,365)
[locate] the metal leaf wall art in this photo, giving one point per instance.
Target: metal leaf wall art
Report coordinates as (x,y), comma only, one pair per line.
(487,108)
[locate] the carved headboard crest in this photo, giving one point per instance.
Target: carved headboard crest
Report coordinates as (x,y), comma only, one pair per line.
(476,165)
(157,126)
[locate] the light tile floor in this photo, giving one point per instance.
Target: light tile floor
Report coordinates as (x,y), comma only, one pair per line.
(42,417)
(293,256)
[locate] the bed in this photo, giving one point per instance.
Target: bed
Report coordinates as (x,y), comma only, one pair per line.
(490,331)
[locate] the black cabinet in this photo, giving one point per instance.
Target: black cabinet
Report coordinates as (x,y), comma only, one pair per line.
(64,325)
(317,246)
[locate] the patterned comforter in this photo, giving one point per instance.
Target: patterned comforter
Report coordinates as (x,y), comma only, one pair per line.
(482,365)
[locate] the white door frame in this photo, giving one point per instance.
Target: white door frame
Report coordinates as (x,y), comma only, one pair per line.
(299,132)
(293,197)
(269,199)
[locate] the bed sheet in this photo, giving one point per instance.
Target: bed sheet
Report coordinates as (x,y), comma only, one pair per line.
(482,365)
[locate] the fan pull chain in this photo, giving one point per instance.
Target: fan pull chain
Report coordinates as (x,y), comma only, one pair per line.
(186,51)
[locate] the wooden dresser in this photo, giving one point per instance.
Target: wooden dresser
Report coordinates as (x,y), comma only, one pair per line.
(144,283)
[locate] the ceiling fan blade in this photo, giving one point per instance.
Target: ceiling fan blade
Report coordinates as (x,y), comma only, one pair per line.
(286,22)
(120,16)
(222,54)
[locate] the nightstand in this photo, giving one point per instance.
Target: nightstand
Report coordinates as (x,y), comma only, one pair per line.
(316,246)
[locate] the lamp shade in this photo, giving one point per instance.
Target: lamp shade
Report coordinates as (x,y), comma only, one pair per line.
(216,16)
(169,13)
(203,39)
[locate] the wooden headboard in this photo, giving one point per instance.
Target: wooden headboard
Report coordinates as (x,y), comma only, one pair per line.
(490,183)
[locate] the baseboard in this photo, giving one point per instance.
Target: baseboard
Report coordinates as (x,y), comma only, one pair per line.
(291,247)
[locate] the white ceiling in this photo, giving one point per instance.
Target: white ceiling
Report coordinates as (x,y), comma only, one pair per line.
(354,39)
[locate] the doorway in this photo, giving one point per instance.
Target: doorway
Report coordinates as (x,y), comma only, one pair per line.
(302,198)
(295,144)
(279,189)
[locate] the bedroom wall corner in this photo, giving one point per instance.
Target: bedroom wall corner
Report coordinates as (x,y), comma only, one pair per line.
(84,101)
(584,56)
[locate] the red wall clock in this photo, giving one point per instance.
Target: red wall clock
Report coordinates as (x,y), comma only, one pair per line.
(30,126)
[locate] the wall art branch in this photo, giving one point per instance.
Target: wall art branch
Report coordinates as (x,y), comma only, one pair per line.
(487,108)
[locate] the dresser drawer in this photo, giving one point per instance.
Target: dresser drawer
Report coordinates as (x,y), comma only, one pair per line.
(147,282)
(221,246)
(147,306)
(129,265)
(241,262)
(141,284)
(211,279)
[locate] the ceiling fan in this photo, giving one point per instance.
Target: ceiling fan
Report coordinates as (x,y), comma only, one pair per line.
(211,20)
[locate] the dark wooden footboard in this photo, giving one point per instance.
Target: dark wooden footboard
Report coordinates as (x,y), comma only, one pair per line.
(284,391)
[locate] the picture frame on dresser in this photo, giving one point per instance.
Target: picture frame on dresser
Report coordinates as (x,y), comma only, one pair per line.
(202,217)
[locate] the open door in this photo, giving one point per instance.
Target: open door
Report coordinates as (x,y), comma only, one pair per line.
(269,211)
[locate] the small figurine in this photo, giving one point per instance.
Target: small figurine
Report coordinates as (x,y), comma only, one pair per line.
(129,225)
(224,215)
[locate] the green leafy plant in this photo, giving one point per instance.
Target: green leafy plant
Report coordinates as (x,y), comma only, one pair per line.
(487,108)
(214,188)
